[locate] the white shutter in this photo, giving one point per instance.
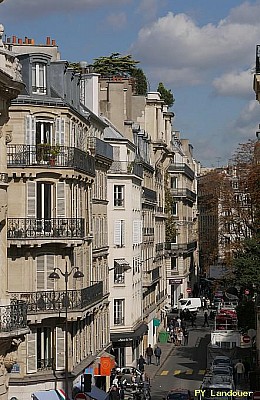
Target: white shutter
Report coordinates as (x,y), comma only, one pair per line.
(140,231)
(31,199)
(122,232)
(136,232)
(59,131)
(60,199)
(117,233)
(40,273)
(31,359)
(49,268)
(60,349)
(30,130)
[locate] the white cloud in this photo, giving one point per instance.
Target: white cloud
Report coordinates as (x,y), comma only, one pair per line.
(176,42)
(234,83)
(149,9)
(247,122)
(117,21)
(36,8)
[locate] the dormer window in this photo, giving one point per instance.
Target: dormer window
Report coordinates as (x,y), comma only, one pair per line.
(39,84)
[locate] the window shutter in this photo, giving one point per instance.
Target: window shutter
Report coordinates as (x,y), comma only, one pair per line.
(60,349)
(140,231)
(60,199)
(30,130)
(117,233)
(122,232)
(49,269)
(31,353)
(135,232)
(31,199)
(40,273)
(59,131)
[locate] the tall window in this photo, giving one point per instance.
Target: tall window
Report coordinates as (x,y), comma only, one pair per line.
(174,208)
(119,312)
(119,196)
(39,78)
(119,273)
(44,337)
(174,263)
(173,182)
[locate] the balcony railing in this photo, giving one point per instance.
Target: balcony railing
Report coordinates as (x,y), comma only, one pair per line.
(183,193)
(31,228)
(126,167)
(185,247)
(119,321)
(182,168)
(100,147)
(53,301)
(148,231)
(149,195)
(159,247)
(13,316)
(47,156)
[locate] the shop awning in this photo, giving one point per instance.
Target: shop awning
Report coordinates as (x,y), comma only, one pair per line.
(121,262)
(128,336)
(96,393)
(46,395)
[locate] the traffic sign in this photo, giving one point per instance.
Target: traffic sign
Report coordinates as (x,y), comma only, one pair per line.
(246,339)
(247,291)
(188,290)
(256,396)
(81,396)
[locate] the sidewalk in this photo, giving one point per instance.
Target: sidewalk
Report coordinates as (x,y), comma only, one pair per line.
(152,369)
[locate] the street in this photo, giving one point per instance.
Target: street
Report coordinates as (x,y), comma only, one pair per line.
(185,365)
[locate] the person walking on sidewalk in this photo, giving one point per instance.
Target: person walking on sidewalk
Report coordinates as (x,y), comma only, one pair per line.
(158,353)
(149,354)
(140,363)
(206,319)
(240,370)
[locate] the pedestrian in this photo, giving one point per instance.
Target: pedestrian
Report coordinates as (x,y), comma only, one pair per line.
(157,352)
(114,393)
(186,336)
(240,370)
(178,322)
(206,318)
(179,337)
(193,319)
(149,354)
(140,363)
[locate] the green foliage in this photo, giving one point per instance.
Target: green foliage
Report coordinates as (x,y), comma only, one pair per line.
(140,81)
(166,94)
(246,263)
(246,315)
(170,225)
(115,65)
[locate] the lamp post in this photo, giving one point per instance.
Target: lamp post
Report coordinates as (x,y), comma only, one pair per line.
(54,275)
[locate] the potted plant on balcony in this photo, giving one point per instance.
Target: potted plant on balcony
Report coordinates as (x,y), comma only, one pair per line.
(54,151)
(43,151)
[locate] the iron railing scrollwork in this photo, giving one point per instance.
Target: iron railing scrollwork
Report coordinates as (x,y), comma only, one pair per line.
(13,316)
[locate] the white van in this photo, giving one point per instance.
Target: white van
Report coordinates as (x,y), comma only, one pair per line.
(191,303)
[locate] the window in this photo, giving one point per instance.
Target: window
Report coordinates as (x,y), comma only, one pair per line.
(173,182)
(119,311)
(119,233)
(174,208)
(39,78)
(44,337)
(119,196)
(119,273)
(173,263)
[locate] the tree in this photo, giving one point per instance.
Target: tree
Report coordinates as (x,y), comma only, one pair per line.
(166,95)
(140,86)
(115,65)
(246,263)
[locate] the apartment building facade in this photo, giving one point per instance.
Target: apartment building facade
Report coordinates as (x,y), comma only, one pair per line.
(56,165)
(13,314)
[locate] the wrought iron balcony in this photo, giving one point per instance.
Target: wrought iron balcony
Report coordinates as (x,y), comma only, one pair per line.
(182,168)
(56,300)
(159,247)
(47,156)
(151,277)
(149,195)
(181,247)
(186,193)
(31,228)
(148,231)
(126,167)
(100,148)
(13,317)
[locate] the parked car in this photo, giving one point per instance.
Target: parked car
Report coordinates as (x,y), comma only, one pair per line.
(222,369)
(190,303)
(179,394)
(221,360)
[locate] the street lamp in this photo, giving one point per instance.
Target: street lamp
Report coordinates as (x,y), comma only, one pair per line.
(54,275)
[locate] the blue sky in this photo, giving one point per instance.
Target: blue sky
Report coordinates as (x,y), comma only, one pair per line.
(203,50)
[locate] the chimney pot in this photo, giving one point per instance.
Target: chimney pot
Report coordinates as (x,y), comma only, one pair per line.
(20,41)
(53,42)
(48,40)
(26,40)
(32,41)
(14,39)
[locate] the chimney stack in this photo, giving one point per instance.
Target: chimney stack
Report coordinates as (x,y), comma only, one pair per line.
(48,41)
(14,39)
(53,42)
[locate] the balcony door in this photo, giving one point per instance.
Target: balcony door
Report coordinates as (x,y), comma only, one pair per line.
(44,206)
(44,132)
